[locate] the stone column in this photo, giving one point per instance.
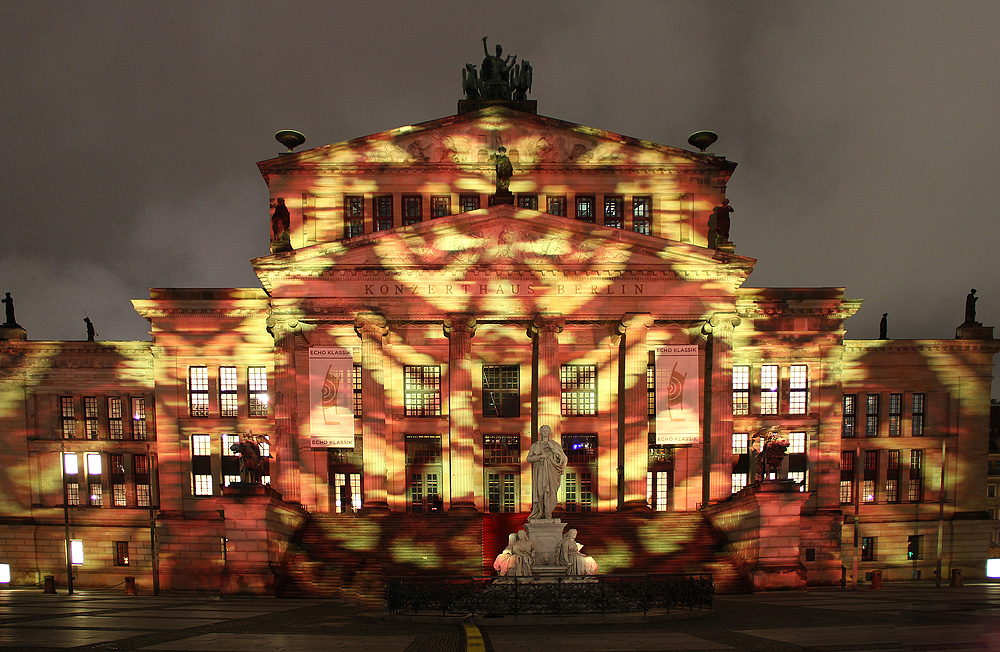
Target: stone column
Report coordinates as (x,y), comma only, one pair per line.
(459,330)
(285,477)
(720,444)
(633,405)
(546,328)
(372,327)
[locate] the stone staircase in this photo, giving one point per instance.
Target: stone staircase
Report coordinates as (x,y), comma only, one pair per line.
(349,556)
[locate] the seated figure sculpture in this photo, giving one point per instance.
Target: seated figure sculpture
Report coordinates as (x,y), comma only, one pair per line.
(504,562)
(524,555)
(577,563)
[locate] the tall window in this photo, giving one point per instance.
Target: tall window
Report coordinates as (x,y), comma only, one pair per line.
(528,201)
(257,390)
(198,391)
(67,415)
(847,477)
(121,553)
(138,417)
(871,414)
(798,459)
(230,460)
(382,210)
(798,389)
(501,456)
(868,548)
(501,391)
(739,481)
(585,208)
(94,470)
(917,419)
(658,490)
(642,215)
(423,467)
(892,477)
(556,205)
(116,473)
(354,216)
(440,205)
(412,209)
(140,475)
(422,391)
(76,552)
(769,389)
(915,491)
(71,473)
(201,465)
(228,392)
(870,479)
(895,413)
(651,390)
(741,461)
(357,392)
(913,546)
(581,454)
(115,428)
(614,211)
(579,389)
(90,416)
(741,390)
(849,418)
(468,203)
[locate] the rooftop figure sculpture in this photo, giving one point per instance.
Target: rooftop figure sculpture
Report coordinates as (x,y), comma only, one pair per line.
(883,327)
(970,308)
(91,334)
(499,77)
(9,306)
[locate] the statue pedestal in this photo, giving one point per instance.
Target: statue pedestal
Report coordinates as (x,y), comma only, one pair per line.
(12,333)
(546,533)
(501,197)
(974,331)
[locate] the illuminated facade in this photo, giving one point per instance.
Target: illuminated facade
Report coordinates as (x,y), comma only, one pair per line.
(600,299)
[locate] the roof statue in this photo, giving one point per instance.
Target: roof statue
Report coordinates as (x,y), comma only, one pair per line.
(9,305)
(970,309)
(883,327)
(498,79)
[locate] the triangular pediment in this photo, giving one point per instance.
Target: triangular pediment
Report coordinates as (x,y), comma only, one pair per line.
(470,138)
(505,237)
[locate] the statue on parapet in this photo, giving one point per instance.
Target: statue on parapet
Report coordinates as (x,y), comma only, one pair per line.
(722,221)
(883,327)
(548,461)
(280,227)
(91,333)
(504,169)
(9,309)
(970,308)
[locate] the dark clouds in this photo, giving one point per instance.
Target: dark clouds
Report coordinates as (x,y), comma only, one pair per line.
(866,133)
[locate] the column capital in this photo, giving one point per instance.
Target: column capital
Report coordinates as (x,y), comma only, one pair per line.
(635,320)
(459,323)
(547,322)
(280,326)
(721,323)
(371,323)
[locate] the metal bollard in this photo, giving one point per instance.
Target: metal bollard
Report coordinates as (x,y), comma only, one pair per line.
(876,579)
(130,585)
(50,584)
(956,577)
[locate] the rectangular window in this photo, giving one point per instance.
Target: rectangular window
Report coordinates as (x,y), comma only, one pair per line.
(741,443)
(741,390)
(140,474)
(121,553)
(357,392)
(468,203)
(422,391)
(871,414)
(870,476)
(868,548)
(796,442)
(198,391)
(138,418)
(228,392)
(798,389)
(913,546)
(230,460)
(115,429)
(585,208)
(423,463)
(658,490)
(354,216)
(651,390)
(892,477)
(501,450)
(739,481)
(71,473)
(579,389)
(257,391)
(501,391)
(382,210)
(895,413)
(556,205)
(642,215)
(918,415)
(118,495)
(579,491)
(614,211)
(847,477)
(915,491)
(67,414)
(769,389)
(90,417)
(501,492)
(849,415)
(412,209)
(76,552)
(580,449)
(201,464)
(440,205)
(528,201)
(94,469)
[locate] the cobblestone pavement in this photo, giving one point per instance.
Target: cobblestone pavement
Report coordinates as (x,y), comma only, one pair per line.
(900,617)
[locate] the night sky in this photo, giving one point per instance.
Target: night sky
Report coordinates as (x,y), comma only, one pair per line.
(867,134)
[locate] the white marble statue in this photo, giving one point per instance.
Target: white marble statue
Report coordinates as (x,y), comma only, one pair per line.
(504,562)
(524,555)
(570,556)
(548,461)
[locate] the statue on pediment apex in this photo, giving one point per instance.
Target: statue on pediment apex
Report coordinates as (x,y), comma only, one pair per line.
(495,76)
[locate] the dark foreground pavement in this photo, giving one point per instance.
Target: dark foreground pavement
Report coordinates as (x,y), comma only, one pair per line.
(900,617)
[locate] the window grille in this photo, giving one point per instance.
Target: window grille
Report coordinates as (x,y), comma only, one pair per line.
(579,389)
(422,391)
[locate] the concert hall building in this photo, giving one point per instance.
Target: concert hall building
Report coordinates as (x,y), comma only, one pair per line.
(415,326)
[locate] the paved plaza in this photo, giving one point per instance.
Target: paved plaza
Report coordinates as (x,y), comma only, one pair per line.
(899,617)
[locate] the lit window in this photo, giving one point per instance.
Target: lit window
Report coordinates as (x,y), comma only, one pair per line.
(798,389)
(642,215)
(501,449)
(895,413)
(651,390)
(796,442)
(422,391)
(357,392)
(201,445)
(741,442)
(382,212)
(93,464)
(913,546)
(892,477)
(658,490)
(528,201)
(201,464)
(230,460)
(257,389)
(769,389)
(614,211)
(76,551)
(849,415)
(198,391)
(868,548)
(916,487)
(579,389)
(501,492)
(70,463)
(140,469)
(870,476)
(799,477)
(440,205)
(892,490)
(739,481)
(585,208)
(412,209)
(121,553)
(741,390)
(90,417)
(228,392)
(918,414)
(556,205)
(354,216)
(68,416)
(118,496)
(468,203)
(847,477)
(202,485)
(138,418)
(871,414)
(501,391)
(115,429)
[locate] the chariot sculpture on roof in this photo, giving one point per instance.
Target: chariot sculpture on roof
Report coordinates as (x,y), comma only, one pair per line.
(499,77)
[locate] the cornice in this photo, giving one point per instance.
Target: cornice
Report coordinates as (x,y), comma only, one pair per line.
(900,346)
